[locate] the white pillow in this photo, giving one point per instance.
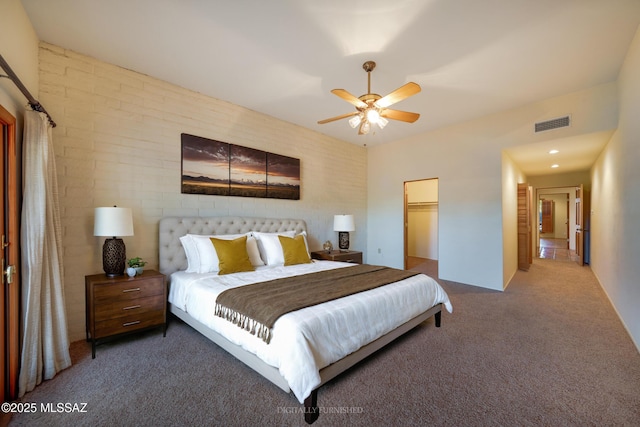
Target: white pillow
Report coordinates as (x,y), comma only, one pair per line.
(208,256)
(202,256)
(270,247)
(193,260)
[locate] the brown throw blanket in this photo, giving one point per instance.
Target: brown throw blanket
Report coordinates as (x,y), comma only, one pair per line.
(256,307)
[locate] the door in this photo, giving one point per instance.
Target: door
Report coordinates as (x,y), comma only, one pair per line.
(586,227)
(9,297)
(524,227)
(567,223)
(579,225)
(406,227)
(547,216)
(583,219)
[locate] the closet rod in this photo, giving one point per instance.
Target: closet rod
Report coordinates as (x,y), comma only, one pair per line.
(32,101)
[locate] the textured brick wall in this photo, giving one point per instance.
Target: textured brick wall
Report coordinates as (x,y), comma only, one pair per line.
(118,143)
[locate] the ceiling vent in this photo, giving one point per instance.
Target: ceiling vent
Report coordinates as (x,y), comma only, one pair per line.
(560,122)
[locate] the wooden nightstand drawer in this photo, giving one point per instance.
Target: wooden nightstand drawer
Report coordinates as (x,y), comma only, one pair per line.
(123,291)
(114,309)
(117,305)
(129,323)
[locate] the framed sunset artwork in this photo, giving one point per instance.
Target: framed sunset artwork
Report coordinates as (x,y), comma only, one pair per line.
(217,168)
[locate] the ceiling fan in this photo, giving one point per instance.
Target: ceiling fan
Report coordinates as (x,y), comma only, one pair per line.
(372,108)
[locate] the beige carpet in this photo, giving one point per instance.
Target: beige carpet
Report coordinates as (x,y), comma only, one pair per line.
(549,351)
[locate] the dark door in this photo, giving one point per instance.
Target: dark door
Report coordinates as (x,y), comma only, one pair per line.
(579,225)
(524,227)
(9,297)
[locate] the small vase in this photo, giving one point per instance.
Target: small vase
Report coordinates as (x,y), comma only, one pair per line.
(131,271)
(139,270)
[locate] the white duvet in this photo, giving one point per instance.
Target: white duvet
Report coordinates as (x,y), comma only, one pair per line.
(307,340)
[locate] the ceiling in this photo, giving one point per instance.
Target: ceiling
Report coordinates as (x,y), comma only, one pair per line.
(282,57)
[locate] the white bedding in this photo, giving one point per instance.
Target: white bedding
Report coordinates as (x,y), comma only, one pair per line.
(307,340)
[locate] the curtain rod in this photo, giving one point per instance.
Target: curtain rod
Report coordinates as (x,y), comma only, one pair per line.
(32,101)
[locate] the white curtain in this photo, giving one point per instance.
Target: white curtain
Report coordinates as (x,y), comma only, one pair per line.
(45,344)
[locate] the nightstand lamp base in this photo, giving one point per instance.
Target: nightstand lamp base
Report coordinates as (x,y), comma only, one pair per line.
(343,241)
(113,257)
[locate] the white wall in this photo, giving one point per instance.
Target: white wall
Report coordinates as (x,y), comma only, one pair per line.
(570,179)
(615,203)
(561,216)
(467,159)
(118,142)
(423,191)
(19,47)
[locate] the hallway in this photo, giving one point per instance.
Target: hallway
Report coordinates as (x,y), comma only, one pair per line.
(556,249)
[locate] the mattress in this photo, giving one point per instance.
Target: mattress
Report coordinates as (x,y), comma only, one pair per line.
(307,340)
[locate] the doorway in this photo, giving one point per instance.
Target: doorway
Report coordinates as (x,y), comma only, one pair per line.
(556,225)
(421,225)
(9,297)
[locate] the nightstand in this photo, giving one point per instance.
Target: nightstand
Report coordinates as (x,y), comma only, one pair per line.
(346,256)
(123,304)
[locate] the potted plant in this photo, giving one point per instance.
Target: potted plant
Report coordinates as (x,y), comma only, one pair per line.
(137,264)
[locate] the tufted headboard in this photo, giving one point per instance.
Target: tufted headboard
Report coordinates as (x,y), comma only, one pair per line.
(171,254)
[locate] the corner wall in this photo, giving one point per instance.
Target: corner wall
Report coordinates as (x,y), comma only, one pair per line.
(19,47)
(615,203)
(118,143)
(467,159)
(511,177)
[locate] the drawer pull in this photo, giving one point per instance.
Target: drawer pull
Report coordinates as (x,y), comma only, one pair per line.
(131,307)
(131,290)
(131,323)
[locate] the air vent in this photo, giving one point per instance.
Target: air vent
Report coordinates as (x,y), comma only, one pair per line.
(560,122)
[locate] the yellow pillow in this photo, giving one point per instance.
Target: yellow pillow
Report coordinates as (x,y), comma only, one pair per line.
(232,255)
(294,250)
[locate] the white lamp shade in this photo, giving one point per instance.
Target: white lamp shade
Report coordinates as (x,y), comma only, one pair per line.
(113,222)
(343,223)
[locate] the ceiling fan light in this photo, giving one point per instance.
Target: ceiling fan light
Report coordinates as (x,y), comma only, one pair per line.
(382,122)
(365,127)
(355,121)
(372,115)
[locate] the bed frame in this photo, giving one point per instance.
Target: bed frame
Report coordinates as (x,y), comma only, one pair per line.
(173,258)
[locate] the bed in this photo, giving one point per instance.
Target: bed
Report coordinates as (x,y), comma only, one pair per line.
(307,347)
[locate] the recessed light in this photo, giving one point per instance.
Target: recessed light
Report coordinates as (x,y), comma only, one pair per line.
(555,166)
(553,152)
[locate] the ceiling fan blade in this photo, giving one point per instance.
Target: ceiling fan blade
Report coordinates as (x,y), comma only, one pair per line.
(398,95)
(349,98)
(332,119)
(403,116)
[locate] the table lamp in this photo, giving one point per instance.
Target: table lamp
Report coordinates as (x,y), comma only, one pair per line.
(343,224)
(113,222)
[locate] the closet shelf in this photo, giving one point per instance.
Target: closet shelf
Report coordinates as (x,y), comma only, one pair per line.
(422,203)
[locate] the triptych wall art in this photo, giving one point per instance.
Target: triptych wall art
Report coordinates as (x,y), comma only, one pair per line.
(221,169)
